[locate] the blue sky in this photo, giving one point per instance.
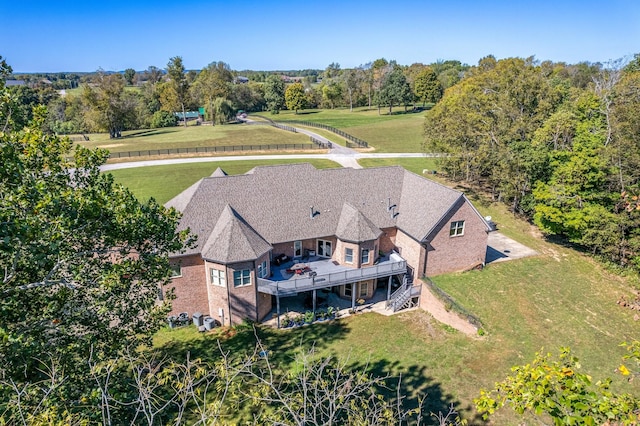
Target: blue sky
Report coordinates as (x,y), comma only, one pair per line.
(54,36)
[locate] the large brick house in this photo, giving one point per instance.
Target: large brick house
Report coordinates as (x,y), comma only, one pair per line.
(279,231)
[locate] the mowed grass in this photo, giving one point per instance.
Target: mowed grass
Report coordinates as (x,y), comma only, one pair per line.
(194,136)
(165,182)
(397,132)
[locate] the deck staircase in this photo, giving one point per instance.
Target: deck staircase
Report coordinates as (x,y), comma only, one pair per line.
(403,297)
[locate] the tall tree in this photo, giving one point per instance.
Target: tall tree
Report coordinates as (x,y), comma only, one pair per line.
(110,108)
(427,87)
(352,80)
(213,82)
(82,262)
(295,97)
(274,93)
(177,88)
(129,75)
(331,93)
(394,90)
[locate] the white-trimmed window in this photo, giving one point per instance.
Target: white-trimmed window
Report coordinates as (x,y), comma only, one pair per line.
(262,269)
(218,277)
(365,257)
(176,271)
(348,255)
(297,249)
(242,277)
(457,228)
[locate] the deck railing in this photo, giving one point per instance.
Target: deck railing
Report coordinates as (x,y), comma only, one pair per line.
(349,275)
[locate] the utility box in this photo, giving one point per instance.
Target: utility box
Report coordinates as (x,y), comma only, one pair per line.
(209,323)
(198,319)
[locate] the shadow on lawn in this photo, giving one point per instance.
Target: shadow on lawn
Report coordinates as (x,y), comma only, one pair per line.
(414,383)
(283,345)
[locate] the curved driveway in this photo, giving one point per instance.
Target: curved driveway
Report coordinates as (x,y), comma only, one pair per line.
(345,159)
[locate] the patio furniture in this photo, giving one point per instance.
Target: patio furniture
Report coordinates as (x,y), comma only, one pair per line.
(281,259)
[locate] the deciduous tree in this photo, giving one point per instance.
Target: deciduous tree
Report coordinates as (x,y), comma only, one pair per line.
(110,108)
(83,262)
(129,75)
(295,97)
(274,93)
(556,387)
(175,93)
(427,86)
(213,82)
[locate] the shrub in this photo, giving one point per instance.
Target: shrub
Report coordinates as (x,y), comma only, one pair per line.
(163,119)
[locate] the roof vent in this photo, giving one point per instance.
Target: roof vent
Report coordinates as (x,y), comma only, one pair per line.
(313,213)
(389,206)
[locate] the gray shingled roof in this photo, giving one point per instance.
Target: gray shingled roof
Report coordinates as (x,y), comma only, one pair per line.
(233,240)
(277,201)
(219,173)
(354,227)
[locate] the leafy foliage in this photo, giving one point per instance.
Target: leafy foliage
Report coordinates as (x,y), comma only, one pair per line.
(557,388)
(83,261)
(274,93)
(295,97)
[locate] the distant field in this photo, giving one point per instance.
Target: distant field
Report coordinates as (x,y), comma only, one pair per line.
(398,132)
(165,182)
(194,136)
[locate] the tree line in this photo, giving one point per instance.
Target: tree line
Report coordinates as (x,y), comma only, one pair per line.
(559,143)
(114,102)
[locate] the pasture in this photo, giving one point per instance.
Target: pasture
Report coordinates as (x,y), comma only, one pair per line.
(194,136)
(398,132)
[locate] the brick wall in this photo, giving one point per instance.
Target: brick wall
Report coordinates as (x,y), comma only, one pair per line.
(387,240)
(191,287)
(449,254)
(412,251)
(217,295)
(243,299)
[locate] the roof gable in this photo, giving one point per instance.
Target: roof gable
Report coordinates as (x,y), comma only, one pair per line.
(353,226)
(233,240)
(219,173)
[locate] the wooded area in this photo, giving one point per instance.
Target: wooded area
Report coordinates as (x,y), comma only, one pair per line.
(559,143)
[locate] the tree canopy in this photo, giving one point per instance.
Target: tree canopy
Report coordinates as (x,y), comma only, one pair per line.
(295,97)
(274,93)
(83,261)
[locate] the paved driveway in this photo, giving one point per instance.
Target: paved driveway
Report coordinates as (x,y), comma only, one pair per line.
(501,248)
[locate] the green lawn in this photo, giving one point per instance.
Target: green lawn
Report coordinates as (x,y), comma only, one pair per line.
(415,165)
(194,136)
(165,182)
(398,132)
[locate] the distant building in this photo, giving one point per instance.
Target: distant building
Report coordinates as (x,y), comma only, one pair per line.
(10,83)
(241,80)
